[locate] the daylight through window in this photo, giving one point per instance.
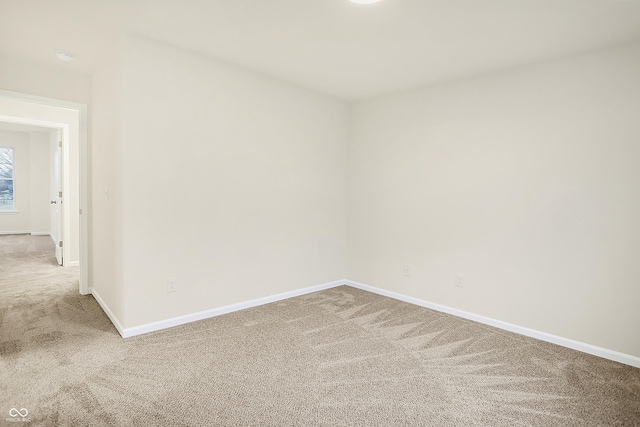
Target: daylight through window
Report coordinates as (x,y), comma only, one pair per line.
(7,200)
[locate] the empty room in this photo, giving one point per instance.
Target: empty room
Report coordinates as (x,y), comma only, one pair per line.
(319,212)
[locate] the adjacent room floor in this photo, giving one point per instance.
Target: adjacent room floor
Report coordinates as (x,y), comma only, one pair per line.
(339,357)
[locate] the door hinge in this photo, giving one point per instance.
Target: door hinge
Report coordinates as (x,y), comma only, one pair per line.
(60,243)
(80,211)
(60,144)
(59,193)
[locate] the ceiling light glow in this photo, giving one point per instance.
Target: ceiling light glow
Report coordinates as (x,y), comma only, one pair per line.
(65,55)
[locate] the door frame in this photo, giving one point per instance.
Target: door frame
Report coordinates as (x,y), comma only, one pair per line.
(58,181)
(83,180)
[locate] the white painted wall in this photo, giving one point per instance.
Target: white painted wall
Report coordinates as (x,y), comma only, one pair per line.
(105,248)
(31,183)
(40,166)
(233,184)
(525,181)
(20,221)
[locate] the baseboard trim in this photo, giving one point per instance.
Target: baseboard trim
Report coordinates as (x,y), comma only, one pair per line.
(73,263)
(201,315)
(40,233)
(107,311)
(616,356)
(16,232)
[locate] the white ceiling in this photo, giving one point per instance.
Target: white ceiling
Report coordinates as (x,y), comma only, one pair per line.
(333,46)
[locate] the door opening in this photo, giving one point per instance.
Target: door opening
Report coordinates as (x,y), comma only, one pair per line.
(69,206)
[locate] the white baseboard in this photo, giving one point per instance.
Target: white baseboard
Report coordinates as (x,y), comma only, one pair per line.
(72,264)
(543,336)
(107,311)
(40,233)
(187,318)
(16,232)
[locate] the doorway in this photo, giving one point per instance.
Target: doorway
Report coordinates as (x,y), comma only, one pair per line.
(70,122)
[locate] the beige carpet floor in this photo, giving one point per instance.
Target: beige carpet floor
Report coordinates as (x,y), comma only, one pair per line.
(340,357)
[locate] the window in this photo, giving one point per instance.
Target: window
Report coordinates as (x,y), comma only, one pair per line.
(7,200)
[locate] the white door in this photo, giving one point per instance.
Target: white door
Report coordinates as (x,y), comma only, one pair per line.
(57,201)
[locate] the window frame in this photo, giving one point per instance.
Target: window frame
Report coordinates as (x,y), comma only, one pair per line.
(13,209)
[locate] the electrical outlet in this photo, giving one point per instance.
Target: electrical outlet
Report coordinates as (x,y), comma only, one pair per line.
(406,270)
(171,284)
(459,280)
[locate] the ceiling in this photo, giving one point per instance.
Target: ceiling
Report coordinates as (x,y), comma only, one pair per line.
(333,46)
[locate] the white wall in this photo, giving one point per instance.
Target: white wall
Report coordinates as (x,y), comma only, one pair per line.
(525,181)
(31,183)
(233,184)
(40,166)
(106,189)
(20,221)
